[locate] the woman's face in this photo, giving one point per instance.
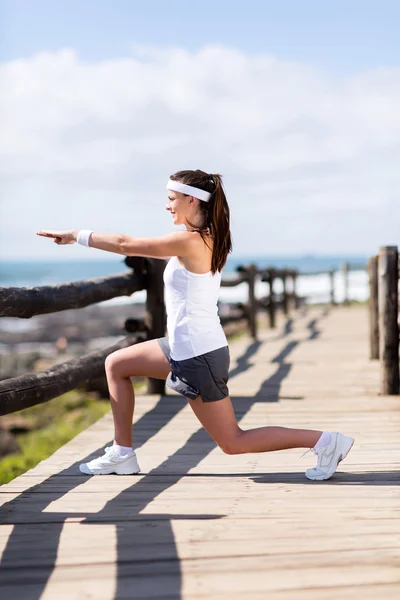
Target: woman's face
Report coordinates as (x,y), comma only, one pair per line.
(180,207)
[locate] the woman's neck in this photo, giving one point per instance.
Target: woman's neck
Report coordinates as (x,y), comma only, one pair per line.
(206,230)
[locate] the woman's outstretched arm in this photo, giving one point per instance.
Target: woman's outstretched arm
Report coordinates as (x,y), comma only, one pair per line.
(165,246)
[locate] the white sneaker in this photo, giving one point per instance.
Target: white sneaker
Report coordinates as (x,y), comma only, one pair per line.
(111,462)
(330,456)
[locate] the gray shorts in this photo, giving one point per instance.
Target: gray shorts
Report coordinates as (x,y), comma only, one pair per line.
(205,375)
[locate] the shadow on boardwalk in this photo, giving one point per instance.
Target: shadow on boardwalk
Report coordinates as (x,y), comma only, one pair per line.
(147,561)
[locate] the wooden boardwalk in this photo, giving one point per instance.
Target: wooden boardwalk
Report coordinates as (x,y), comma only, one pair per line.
(200,524)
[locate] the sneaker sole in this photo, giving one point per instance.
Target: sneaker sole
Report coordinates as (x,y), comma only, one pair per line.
(342,456)
(117,470)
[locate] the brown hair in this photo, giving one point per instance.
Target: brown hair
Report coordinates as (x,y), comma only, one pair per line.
(215,212)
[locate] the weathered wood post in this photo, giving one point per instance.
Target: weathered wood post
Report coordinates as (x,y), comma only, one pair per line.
(388,299)
(373,308)
(345,273)
(251,271)
(271,274)
(155,317)
(295,298)
(285,299)
(332,286)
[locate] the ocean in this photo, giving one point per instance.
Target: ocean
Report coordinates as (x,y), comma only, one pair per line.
(26,273)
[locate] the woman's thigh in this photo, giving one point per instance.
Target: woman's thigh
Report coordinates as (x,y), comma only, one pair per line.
(146,359)
(218,419)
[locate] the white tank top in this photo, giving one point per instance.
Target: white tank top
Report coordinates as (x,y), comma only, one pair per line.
(193,323)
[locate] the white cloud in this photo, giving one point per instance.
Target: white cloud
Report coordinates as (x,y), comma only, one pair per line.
(310,162)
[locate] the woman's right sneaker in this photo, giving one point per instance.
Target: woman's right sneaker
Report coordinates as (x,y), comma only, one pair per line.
(111,462)
(330,456)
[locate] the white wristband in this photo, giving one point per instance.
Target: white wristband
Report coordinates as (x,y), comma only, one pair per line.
(83,237)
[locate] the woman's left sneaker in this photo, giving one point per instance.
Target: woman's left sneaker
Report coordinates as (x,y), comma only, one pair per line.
(330,456)
(111,462)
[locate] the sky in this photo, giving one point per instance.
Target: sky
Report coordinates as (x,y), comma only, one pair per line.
(295,103)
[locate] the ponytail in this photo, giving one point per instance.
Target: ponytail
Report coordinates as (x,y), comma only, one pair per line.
(215,212)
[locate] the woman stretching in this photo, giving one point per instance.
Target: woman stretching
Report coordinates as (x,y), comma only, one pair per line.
(194,358)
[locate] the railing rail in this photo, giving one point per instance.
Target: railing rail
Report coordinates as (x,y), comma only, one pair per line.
(31,389)
(25,303)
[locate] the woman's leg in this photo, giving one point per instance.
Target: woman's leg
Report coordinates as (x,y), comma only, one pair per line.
(146,359)
(218,418)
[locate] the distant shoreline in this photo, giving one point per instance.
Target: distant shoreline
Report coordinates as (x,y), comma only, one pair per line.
(36,273)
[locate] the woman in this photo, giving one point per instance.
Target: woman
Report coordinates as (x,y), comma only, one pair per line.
(194,358)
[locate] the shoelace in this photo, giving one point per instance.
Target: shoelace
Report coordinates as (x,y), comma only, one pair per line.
(307,451)
(109,449)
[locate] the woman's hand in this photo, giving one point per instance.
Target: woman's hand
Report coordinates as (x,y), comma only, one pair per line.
(60,237)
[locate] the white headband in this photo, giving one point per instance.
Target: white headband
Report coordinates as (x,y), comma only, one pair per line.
(176,186)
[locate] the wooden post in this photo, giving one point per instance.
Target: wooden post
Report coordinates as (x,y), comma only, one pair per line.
(285,304)
(332,286)
(388,299)
(345,272)
(155,318)
(251,271)
(373,308)
(295,298)
(271,303)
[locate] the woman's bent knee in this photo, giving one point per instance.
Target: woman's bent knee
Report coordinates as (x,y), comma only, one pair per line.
(231,445)
(112,362)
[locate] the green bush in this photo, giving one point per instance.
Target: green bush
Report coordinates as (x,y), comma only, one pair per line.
(53,424)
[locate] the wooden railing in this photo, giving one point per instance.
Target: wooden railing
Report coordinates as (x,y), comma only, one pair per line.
(384,276)
(28,390)
(146,274)
(271,302)
(345,270)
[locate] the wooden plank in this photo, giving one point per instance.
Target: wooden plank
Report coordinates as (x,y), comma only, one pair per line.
(222,576)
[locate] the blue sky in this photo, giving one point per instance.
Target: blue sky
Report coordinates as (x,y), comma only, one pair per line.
(342,35)
(296,103)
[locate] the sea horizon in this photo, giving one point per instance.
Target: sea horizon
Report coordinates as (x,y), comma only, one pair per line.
(27,272)
(109,257)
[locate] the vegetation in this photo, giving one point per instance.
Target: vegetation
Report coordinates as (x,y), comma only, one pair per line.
(51,425)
